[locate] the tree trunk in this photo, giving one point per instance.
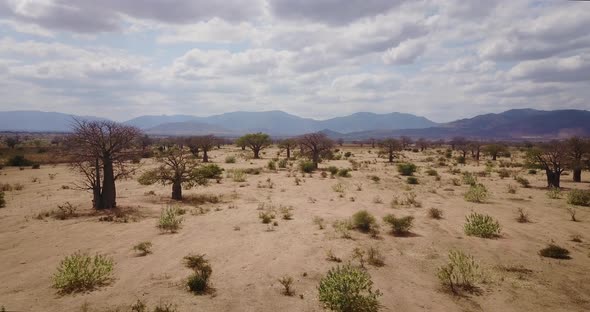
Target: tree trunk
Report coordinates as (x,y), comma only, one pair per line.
(577,175)
(177,190)
(109,192)
(553,178)
(243,148)
(288,153)
(390,157)
(316,159)
(256,153)
(494,156)
(205,156)
(96,189)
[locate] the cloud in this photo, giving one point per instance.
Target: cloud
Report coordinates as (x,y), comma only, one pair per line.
(566,69)
(405,53)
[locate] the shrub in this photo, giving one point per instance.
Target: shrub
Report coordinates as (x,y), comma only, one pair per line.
(333,170)
(399,226)
(579,197)
(343,228)
(532,171)
(144,248)
(319,222)
(287,282)
(266,216)
(375,178)
(504,173)
(555,252)
(374,257)
(469,179)
(230,159)
(523,181)
(306,166)
(344,172)
(511,189)
(412,180)
(347,154)
(406,169)
(476,193)
(210,171)
(36,166)
(431,172)
(435,213)
(272,165)
(461,272)
(2,200)
(19,161)
(338,187)
(65,211)
(330,256)
(238,175)
(81,272)
(523,216)
(170,220)
(554,193)
(282,163)
(198,282)
(481,225)
(363,221)
(347,289)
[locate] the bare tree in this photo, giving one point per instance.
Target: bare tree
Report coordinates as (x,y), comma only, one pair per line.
(202,143)
(552,157)
(255,141)
(422,144)
(373,142)
(390,147)
(340,142)
(288,145)
(577,149)
(494,150)
(314,145)
(457,141)
(12,141)
(177,167)
(100,150)
(475,147)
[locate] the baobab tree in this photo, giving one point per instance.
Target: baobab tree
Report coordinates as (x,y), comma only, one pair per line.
(288,145)
(494,150)
(457,141)
(203,143)
(255,141)
(551,157)
(577,149)
(315,145)
(100,150)
(475,147)
(177,167)
(390,147)
(405,141)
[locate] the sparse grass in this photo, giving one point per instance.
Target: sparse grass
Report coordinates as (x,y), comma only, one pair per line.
(266,216)
(469,179)
(237,175)
(144,248)
(374,257)
(555,252)
(2,200)
(477,193)
(579,197)
(523,216)
(554,193)
(524,182)
(343,228)
(338,187)
(286,212)
(572,212)
(399,226)
(230,159)
(503,173)
(511,189)
(347,289)
(170,220)
(330,256)
(82,272)
(481,225)
(319,222)
(462,272)
(435,213)
(377,200)
(287,283)
(432,172)
(65,211)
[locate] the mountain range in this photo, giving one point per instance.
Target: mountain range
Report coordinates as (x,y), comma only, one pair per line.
(517,124)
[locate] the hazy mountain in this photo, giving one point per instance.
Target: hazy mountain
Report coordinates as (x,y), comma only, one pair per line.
(36,121)
(188,128)
(516,124)
(370,121)
(150,121)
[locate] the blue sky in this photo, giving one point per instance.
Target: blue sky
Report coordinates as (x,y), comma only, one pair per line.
(442,59)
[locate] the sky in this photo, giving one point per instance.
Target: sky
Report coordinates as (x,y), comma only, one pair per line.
(442,59)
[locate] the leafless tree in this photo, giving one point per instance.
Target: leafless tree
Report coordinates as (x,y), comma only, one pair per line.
(422,144)
(578,149)
(390,147)
(288,145)
(314,145)
(202,143)
(552,157)
(405,141)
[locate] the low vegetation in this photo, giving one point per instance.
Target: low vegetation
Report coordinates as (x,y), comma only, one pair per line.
(81,272)
(462,272)
(399,226)
(555,252)
(347,289)
(198,282)
(170,220)
(406,169)
(481,225)
(143,248)
(579,197)
(477,193)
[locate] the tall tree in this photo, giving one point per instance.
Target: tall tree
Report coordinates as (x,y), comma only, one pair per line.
(256,142)
(494,150)
(288,145)
(100,151)
(405,141)
(203,143)
(577,149)
(390,147)
(422,144)
(551,157)
(315,145)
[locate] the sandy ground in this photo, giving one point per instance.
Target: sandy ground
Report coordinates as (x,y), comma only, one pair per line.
(247,262)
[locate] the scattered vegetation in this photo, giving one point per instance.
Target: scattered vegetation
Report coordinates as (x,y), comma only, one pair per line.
(348,289)
(524,182)
(374,257)
(287,283)
(170,220)
(2,200)
(412,180)
(481,225)
(406,169)
(364,221)
(477,193)
(435,213)
(230,159)
(82,272)
(462,272)
(579,197)
(555,252)
(523,216)
(399,226)
(554,193)
(319,222)
(198,282)
(144,248)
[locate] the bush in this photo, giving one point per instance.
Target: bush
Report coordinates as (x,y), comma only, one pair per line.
(266,216)
(36,166)
(469,179)
(210,171)
(283,163)
(272,165)
(399,226)
(347,154)
(481,226)
(287,282)
(364,221)
(144,248)
(435,213)
(555,252)
(504,173)
(476,193)
(554,193)
(198,282)
(347,289)
(406,169)
(306,166)
(170,220)
(523,181)
(230,159)
(532,171)
(333,170)
(2,200)
(237,175)
(81,272)
(431,172)
(461,272)
(344,172)
(579,197)
(19,161)
(412,180)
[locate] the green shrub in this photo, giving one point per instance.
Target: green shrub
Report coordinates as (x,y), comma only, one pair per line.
(198,282)
(237,175)
(364,221)
(406,169)
(435,213)
(579,197)
(476,193)
(344,172)
(554,193)
(282,163)
(504,173)
(144,248)
(532,171)
(306,166)
(523,182)
(19,161)
(2,200)
(399,226)
(230,159)
(554,251)
(333,170)
(347,154)
(272,165)
(412,180)
(170,220)
(461,272)
(82,272)
(431,172)
(210,171)
(481,225)
(469,179)
(348,289)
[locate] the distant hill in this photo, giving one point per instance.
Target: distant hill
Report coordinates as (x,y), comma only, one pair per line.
(150,121)
(36,121)
(189,128)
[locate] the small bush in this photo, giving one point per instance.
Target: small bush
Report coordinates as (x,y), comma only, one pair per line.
(579,197)
(266,216)
(65,211)
(333,170)
(374,257)
(287,282)
(523,216)
(282,163)
(170,220)
(461,272)
(306,166)
(2,200)
(469,179)
(344,172)
(82,272)
(555,252)
(532,171)
(272,165)
(481,225)
(19,161)
(144,248)
(347,289)
(210,171)
(198,282)
(432,172)
(412,180)
(554,193)
(238,175)
(504,173)
(435,213)
(363,221)
(399,226)
(523,182)
(230,159)
(476,193)
(347,154)
(406,169)
(338,187)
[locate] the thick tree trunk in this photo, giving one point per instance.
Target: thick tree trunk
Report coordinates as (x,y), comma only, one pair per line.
(553,178)
(256,153)
(243,148)
(205,156)
(494,156)
(577,175)
(316,159)
(288,153)
(177,190)
(390,157)
(96,189)
(109,192)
